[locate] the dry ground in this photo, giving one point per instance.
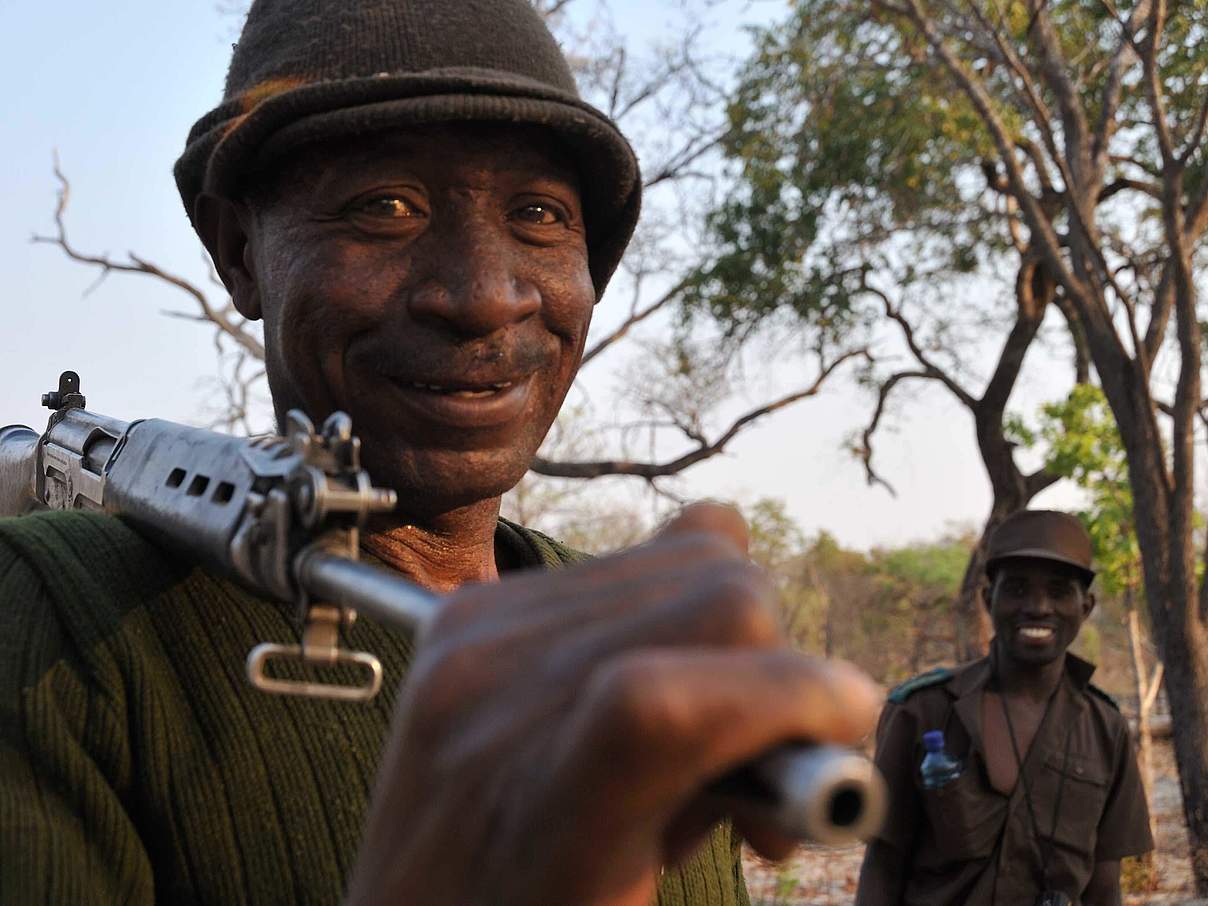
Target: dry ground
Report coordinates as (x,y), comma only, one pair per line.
(827,877)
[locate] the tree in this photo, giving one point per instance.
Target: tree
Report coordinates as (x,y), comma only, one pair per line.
(1084,445)
(865,195)
(1061,138)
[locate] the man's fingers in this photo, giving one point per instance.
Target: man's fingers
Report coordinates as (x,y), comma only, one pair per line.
(701,546)
(685,717)
(768,842)
(710,519)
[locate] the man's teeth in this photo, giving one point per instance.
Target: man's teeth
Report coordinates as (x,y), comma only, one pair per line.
(490,390)
(1035,632)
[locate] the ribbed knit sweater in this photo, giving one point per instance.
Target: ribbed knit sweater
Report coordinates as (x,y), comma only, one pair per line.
(138,766)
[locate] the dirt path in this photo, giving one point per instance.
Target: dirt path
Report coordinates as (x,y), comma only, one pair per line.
(827,877)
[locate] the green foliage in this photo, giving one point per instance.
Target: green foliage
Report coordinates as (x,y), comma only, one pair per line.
(888,610)
(1017,430)
(853,155)
(856,153)
(1089,643)
(1084,445)
(938,567)
(775,538)
(1139,874)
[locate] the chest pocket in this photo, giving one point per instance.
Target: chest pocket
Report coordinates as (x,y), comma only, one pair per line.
(1082,786)
(966,818)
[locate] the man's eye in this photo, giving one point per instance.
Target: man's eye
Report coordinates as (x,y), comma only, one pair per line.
(386,206)
(540,214)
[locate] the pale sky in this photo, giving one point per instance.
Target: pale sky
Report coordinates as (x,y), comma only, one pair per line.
(115,87)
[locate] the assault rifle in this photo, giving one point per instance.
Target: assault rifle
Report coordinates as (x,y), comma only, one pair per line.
(281,516)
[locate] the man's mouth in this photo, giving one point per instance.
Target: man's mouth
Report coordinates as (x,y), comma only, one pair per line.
(464,392)
(1036,633)
(466,404)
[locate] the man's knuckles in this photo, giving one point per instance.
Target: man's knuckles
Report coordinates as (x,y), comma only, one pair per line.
(634,708)
(444,682)
(734,606)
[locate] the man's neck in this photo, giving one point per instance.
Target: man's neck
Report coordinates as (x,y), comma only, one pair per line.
(1023,680)
(441,552)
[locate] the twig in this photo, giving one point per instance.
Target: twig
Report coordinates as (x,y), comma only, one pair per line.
(704,450)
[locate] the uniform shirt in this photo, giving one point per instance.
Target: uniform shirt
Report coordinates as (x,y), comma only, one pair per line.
(138,765)
(970,845)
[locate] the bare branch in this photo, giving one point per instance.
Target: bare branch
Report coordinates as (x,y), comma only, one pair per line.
(1034,289)
(678,164)
(1197,134)
(931,370)
(1153,86)
(704,450)
(1137,185)
(1082,353)
(1197,216)
(1114,84)
(1041,113)
(1073,119)
(637,316)
(137,265)
(1155,685)
(1042,229)
(550,8)
(864,450)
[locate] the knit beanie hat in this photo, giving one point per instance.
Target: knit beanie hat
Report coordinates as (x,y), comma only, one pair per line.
(308,70)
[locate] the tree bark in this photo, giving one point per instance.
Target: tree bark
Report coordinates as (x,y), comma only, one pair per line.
(1185,655)
(1013,490)
(1147,687)
(973,631)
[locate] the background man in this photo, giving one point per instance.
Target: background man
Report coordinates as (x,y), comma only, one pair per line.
(1049,798)
(416,203)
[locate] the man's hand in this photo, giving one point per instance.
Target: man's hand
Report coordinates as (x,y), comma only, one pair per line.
(556,730)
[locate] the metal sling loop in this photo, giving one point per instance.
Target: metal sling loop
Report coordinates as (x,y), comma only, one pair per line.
(320,647)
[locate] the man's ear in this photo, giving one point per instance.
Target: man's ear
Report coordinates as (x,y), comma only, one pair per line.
(1088,604)
(222,225)
(986,589)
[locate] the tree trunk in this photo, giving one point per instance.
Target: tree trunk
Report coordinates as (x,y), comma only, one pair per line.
(1147,692)
(973,631)
(1162,509)
(828,641)
(1186,659)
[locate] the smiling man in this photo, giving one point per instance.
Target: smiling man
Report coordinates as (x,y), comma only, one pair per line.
(434,283)
(413,199)
(1048,799)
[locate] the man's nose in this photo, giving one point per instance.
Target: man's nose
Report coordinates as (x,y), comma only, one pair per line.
(473,287)
(1039,603)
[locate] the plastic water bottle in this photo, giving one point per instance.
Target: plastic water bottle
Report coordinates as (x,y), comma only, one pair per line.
(938,767)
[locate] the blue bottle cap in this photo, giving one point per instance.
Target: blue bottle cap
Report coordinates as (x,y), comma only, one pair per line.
(933,740)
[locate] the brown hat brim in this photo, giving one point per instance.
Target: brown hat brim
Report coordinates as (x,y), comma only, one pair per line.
(1040,554)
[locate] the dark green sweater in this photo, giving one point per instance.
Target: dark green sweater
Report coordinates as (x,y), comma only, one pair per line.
(137,765)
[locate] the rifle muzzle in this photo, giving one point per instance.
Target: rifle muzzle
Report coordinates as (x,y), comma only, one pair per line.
(18,465)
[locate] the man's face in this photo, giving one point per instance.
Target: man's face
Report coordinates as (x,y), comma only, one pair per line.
(434,284)
(1037,607)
